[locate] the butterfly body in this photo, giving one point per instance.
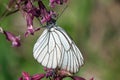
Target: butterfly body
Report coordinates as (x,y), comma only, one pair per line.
(55,49)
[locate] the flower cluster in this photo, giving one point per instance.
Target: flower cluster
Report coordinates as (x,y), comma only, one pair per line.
(29,12)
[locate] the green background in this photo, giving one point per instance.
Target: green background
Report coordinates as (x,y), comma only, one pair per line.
(94,25)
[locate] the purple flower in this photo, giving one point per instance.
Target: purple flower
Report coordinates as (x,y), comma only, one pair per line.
(35,12)
(24,5)
(53,2)
(29,5)
(26,76)
(38,76)
(11,37)
(47,17)
(30,29)
(29,11)
(27,8)
(14,39)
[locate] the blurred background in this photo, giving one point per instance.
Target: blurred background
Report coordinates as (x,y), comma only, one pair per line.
(94,25)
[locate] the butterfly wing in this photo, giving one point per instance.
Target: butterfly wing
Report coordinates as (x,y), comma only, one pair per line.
(54,49)
(46,51)
(71,57)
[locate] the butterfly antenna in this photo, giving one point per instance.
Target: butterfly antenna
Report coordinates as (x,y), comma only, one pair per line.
(62,12)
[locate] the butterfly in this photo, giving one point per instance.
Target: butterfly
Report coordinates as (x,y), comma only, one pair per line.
(55,49)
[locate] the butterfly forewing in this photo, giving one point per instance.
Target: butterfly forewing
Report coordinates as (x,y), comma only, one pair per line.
(55,49)
(41,42)
(64,41)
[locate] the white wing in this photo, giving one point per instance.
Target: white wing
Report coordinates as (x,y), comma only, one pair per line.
(55,49)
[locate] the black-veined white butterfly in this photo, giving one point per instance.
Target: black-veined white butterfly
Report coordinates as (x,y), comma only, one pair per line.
(55,49)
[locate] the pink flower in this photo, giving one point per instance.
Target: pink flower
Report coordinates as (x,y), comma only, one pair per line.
(47,17)
(26,76)
(38,76)
(14,39)
(11,37)
(30,29)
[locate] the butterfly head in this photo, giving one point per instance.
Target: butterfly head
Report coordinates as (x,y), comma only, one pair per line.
(51,23)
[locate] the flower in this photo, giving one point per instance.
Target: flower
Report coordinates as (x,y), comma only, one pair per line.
(26,76)
(46,15)
(14,39)
(30,30)
(29,12)
(11,37)
(38,76)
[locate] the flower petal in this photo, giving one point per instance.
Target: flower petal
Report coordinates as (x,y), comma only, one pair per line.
(26,76)
(38,76)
